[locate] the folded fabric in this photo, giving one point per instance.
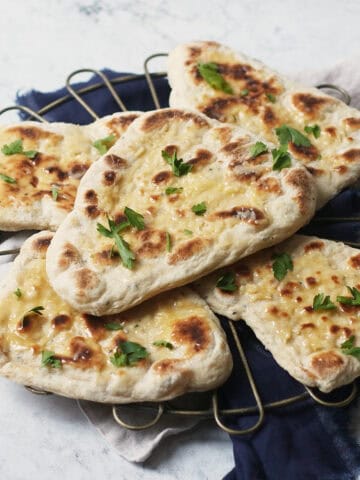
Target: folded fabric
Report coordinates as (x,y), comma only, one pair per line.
(300,442)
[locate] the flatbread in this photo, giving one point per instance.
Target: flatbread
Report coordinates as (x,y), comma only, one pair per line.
(333,159)
(248,207)
(305,342)
(65,152)
(199,360)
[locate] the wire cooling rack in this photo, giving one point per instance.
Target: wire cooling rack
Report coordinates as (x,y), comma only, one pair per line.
(209,402)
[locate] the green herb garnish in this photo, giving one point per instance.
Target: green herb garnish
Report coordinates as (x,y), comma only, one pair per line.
(288,134)
(188,232)
(270,97)
(113,326)
(257,149)
(171,190)
(18,293)
(322,302)
(135,219)
(347,348)
(126,255)
(281,158)
(354,300)
(210,73)
(128,354)
(244,92)
(17,147)
(37,310)
(282,264)
(313,129)
(168,242)
(7,179)
(163,343)
(48,359)
(199,208)
(227,282)
(54,193)
(178,166)
(103,144)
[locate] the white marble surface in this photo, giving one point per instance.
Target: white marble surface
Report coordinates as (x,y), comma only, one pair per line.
(40,42)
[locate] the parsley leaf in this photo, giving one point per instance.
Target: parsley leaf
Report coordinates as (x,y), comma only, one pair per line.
(128,354)
(270,97)
(354,301)
(281,158)
(322,302)
(244,92)
(135,219)
(171,190)
(163,343)
(18,292)
(210,73)
(54,193)
(113,326)
(188,232)
(17,147)
(227,282)
(37,310)
(282,264)
(48,359)
(168,242)
(126,255)
(257,149)
(103,144)
(199,208)
(7,179)
(178,166)
(347,348)
(313,129)
(288,134)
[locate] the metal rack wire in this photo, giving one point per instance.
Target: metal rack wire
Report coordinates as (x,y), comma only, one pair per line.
(212,409)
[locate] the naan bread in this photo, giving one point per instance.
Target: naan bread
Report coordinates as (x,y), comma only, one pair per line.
(199,360)
(304,341)
(65,152)
(248,206)
(263,100)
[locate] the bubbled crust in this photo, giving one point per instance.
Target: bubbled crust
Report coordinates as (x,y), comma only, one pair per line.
(249,206)
(333,159)
(65,152)
(303,341)
(200,358)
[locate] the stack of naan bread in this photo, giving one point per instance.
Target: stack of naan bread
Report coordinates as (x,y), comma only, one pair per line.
(145,203)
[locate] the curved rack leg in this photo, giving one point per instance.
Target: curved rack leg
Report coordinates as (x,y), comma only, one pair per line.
(149,80)
(344,94)
(107,83)
(36,391)
(27,110)
(150,424)
(341,403)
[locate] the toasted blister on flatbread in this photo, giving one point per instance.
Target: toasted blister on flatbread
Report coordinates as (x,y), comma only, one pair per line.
(227,206)
(261,100)
(163,348)
(41,165)
(305,338)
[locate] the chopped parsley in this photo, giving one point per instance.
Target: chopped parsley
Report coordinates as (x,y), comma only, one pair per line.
(199,208)
(168,242)
(135,219)
(313,129)
(348,348)
(270,97)
(113,326)
(128,354)
(103,144)
(322,302)
(281,158)
(354,300)
(18,293)
(126,255)
(288,134)
(38,310)
(257,149)
(188,232)
(282,264)
(244,92)
(48,359)
(210,73)
(171,190)
(163,343)
(178,166)
(17,147)
(7,179)
(227,282)
(54,193)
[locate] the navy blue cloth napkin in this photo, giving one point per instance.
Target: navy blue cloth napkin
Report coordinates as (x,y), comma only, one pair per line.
(300,442)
